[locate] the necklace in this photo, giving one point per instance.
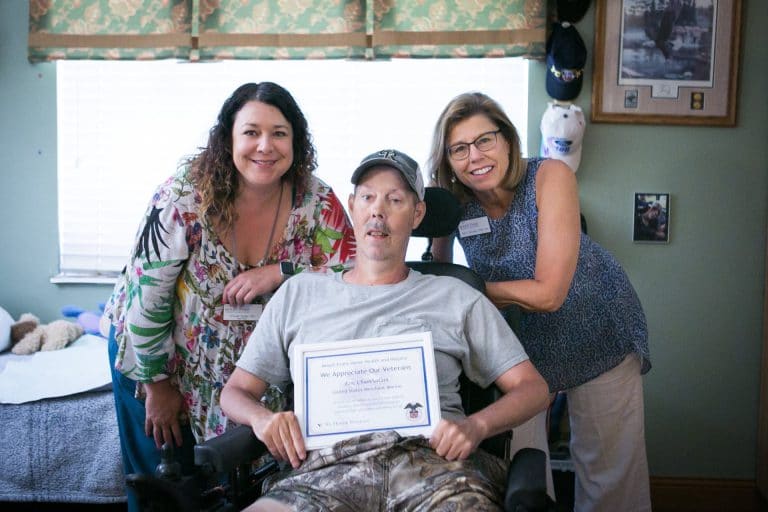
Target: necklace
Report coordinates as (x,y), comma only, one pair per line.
(269,240)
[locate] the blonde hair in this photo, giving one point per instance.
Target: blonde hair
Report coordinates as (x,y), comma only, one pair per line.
(460,108)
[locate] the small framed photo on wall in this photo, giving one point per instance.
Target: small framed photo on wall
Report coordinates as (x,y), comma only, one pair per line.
(651,218)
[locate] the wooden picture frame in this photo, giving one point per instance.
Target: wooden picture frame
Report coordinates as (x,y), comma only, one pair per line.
(677,64)
(651,217)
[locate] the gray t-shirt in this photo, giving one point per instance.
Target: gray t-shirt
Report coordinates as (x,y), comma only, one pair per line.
(468,332)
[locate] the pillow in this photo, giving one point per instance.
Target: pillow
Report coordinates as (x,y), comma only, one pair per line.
(6,320)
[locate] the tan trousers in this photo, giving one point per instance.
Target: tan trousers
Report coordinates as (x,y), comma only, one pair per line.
(607,423)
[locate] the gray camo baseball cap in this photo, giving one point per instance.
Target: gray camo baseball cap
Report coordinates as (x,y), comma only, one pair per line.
(397,160)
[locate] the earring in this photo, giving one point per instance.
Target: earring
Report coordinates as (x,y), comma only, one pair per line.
(453,178)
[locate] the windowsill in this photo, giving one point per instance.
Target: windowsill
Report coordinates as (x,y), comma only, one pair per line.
(83,279)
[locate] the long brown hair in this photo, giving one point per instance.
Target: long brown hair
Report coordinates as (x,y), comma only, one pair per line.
(213,169)
(458,109)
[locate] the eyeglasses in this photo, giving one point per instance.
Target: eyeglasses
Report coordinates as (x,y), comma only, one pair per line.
(485,142)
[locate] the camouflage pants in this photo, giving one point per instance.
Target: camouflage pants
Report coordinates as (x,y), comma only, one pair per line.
(386,472)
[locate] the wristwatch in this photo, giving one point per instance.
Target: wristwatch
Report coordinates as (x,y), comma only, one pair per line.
(287,269)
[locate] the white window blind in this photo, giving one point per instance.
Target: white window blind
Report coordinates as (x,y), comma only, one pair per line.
(124,126)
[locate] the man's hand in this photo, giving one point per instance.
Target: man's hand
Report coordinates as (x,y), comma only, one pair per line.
(246,286)
(163,405)
(456,440)
(281,433)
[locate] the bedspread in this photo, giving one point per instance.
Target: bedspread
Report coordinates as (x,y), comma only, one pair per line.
(61,450)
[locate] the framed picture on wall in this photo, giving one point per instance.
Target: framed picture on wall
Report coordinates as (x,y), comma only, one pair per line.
(666,62)
(651,217)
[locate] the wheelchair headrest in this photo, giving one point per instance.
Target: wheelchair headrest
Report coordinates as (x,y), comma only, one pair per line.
(443,214)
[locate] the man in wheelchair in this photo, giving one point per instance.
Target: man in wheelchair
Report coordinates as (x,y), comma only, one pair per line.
(380,296)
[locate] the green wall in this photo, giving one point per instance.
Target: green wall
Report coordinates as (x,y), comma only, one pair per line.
(703,293)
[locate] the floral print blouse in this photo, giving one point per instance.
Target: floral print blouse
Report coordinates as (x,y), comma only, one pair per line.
(166,307)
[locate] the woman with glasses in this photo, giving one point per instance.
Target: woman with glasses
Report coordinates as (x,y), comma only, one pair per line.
(582,324)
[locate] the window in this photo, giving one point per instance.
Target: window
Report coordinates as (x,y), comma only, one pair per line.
(124,126)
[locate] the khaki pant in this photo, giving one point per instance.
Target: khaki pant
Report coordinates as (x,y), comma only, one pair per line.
(608,441)
(607,423)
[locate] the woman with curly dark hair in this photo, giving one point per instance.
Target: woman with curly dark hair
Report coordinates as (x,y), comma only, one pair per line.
(217,239)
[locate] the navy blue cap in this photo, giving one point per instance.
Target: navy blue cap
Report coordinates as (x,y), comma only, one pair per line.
(566,57)
(571,10)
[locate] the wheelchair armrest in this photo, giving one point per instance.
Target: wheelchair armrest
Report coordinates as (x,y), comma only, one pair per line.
(234,447)
(527,482)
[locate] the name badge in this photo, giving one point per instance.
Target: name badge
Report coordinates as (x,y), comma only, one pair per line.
(474,227)
(244,312)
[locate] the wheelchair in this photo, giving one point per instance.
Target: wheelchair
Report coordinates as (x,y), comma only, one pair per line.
(227,478)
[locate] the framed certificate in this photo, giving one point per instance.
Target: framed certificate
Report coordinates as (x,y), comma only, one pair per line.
(346,388)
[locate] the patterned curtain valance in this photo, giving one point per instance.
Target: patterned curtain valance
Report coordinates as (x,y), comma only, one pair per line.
(459,28)
(284,29)
(110,29)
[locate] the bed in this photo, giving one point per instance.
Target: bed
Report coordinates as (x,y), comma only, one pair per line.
(59,432)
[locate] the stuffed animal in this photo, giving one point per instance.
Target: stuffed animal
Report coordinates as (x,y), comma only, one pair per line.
(29,336)
(26,324)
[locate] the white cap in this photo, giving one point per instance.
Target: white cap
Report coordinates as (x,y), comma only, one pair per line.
(562,131)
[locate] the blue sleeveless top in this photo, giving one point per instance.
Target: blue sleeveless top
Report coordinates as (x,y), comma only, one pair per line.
(601,320)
